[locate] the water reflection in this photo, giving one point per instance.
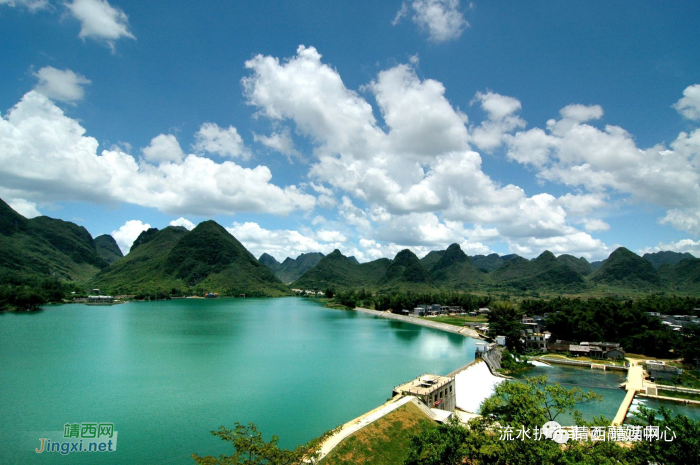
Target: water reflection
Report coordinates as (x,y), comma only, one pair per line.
(405,332)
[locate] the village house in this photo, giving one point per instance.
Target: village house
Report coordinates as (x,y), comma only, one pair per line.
(602,350)
(536,341)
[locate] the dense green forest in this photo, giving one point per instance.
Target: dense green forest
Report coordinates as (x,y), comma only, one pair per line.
(397,301)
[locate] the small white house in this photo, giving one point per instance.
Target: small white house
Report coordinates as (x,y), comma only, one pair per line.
(501,340)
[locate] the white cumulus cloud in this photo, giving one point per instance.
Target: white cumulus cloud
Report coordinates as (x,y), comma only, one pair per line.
(689,105)
(224,142)
(63,85)
(46,156)
(441,19)
(100,21)
(184,222)
(420,163)
(280,141)
(163,147)
(127,234)
(24,207)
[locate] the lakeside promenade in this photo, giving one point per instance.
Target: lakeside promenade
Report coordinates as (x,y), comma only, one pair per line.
(464,331)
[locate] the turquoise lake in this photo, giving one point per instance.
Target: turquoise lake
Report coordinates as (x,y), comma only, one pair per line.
(166,373)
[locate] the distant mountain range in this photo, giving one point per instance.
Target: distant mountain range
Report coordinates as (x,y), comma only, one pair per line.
(291,269)
(210,259)
(452,269)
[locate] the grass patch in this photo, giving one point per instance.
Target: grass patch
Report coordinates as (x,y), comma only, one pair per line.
(385,441)
(597,361)
(686,379)
(337,306)
(456,319)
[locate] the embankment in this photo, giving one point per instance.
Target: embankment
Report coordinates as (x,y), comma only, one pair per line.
(468,332)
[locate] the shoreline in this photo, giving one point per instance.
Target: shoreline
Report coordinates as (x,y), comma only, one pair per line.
(463,331)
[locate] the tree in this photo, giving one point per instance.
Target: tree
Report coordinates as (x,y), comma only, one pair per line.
(251,449)
(505,320)
(685,434)
(535,401)
(514,405)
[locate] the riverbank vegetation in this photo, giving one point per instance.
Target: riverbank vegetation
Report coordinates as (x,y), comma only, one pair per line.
(31,293)
(510,365)
(398,301)
(250,448)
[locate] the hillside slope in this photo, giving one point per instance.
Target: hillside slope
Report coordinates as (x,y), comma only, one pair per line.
(44,247)
(627,269)
(107,248)
(335,270)
(455,270)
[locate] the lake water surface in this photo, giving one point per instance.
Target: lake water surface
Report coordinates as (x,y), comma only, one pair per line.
(166,373)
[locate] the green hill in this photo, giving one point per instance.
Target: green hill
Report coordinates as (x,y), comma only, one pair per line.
(624,268)
(406,271)
(209,256)
(44,247)
(545,271)
(684,275)
(291,269)
(580,265)
(335,270)
(206,259)
(270,262)
(455,270)
(107,248)
(142,268)
(431,259)
(487,263)
(666,258)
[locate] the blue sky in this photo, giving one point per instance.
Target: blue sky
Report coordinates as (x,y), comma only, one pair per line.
(364,126)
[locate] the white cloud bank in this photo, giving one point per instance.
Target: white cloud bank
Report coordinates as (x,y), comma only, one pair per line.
(419,180)
(575,153)
(46,156)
